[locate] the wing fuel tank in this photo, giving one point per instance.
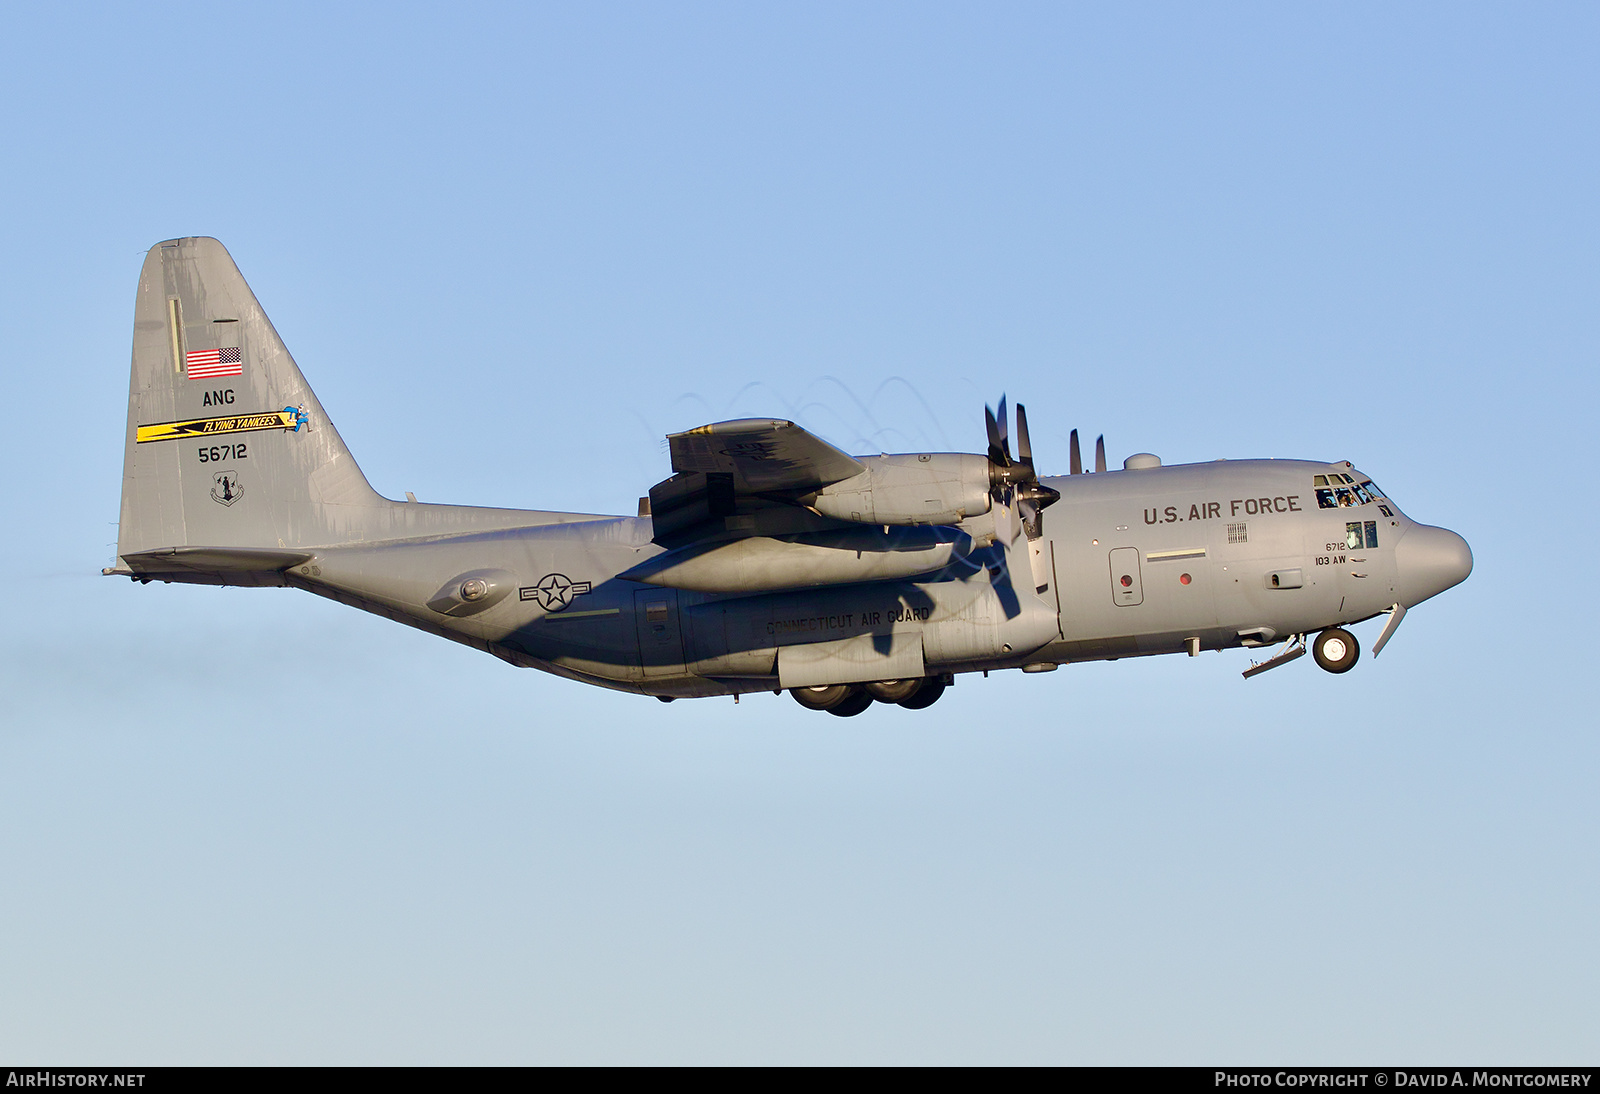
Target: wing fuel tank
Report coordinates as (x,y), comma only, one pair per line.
(762,564)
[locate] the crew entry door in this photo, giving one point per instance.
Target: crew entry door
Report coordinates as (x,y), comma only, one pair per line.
(1127,587)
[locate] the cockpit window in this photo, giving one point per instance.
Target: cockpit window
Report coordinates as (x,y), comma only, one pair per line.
(1345,497)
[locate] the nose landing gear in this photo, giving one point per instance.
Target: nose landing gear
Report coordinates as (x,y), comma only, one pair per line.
(1336,650)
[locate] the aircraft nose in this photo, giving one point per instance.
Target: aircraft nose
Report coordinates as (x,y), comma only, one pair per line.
(1430,560)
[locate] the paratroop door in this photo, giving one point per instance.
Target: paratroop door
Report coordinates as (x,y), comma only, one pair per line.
(655,614)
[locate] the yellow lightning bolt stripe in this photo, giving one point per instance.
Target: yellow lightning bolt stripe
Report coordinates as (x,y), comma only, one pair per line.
(207,427)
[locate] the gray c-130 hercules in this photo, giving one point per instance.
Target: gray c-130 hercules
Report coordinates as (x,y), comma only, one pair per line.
(770,559)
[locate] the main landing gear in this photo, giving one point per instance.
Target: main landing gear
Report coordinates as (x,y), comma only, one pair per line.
(848,700)
(1336,650)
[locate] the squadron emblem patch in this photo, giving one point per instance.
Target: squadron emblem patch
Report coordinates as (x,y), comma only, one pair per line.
(225,488)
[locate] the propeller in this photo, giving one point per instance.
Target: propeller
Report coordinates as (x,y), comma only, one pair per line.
(1077,456)
(1014,481)
(1033,496)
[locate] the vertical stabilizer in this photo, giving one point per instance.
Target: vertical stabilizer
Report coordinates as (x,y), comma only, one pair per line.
(227,446)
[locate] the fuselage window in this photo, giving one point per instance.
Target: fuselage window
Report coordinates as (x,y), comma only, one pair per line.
(1358,533)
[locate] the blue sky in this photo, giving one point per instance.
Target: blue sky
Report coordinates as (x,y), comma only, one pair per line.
(512,247)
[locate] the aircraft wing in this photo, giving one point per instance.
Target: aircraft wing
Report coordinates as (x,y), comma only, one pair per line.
(729,474)
(764,455)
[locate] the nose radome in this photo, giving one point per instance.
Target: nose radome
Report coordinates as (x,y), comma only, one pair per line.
(1428,561)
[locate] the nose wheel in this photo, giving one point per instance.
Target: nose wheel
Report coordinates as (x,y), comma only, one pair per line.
(1336,650)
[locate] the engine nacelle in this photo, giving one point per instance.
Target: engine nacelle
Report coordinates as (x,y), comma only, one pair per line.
(763,564)
(932,488)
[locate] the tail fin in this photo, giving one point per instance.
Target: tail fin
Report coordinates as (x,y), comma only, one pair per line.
(227,446)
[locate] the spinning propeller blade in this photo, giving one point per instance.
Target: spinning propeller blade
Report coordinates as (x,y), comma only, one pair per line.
(997,437)
(1015,482)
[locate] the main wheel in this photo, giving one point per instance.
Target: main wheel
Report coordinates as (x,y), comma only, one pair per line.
(894,691)
(825,698)
(1336,650)
(927,693)
(852,704)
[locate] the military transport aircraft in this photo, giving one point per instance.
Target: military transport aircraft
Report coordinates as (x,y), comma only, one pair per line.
(770,559)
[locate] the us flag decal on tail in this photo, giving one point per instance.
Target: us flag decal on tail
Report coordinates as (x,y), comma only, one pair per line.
(204,364)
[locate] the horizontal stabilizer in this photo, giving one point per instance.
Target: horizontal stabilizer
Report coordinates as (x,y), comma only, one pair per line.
(211,565)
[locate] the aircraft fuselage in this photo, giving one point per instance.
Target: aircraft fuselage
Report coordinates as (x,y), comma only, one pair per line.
(1137,562)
